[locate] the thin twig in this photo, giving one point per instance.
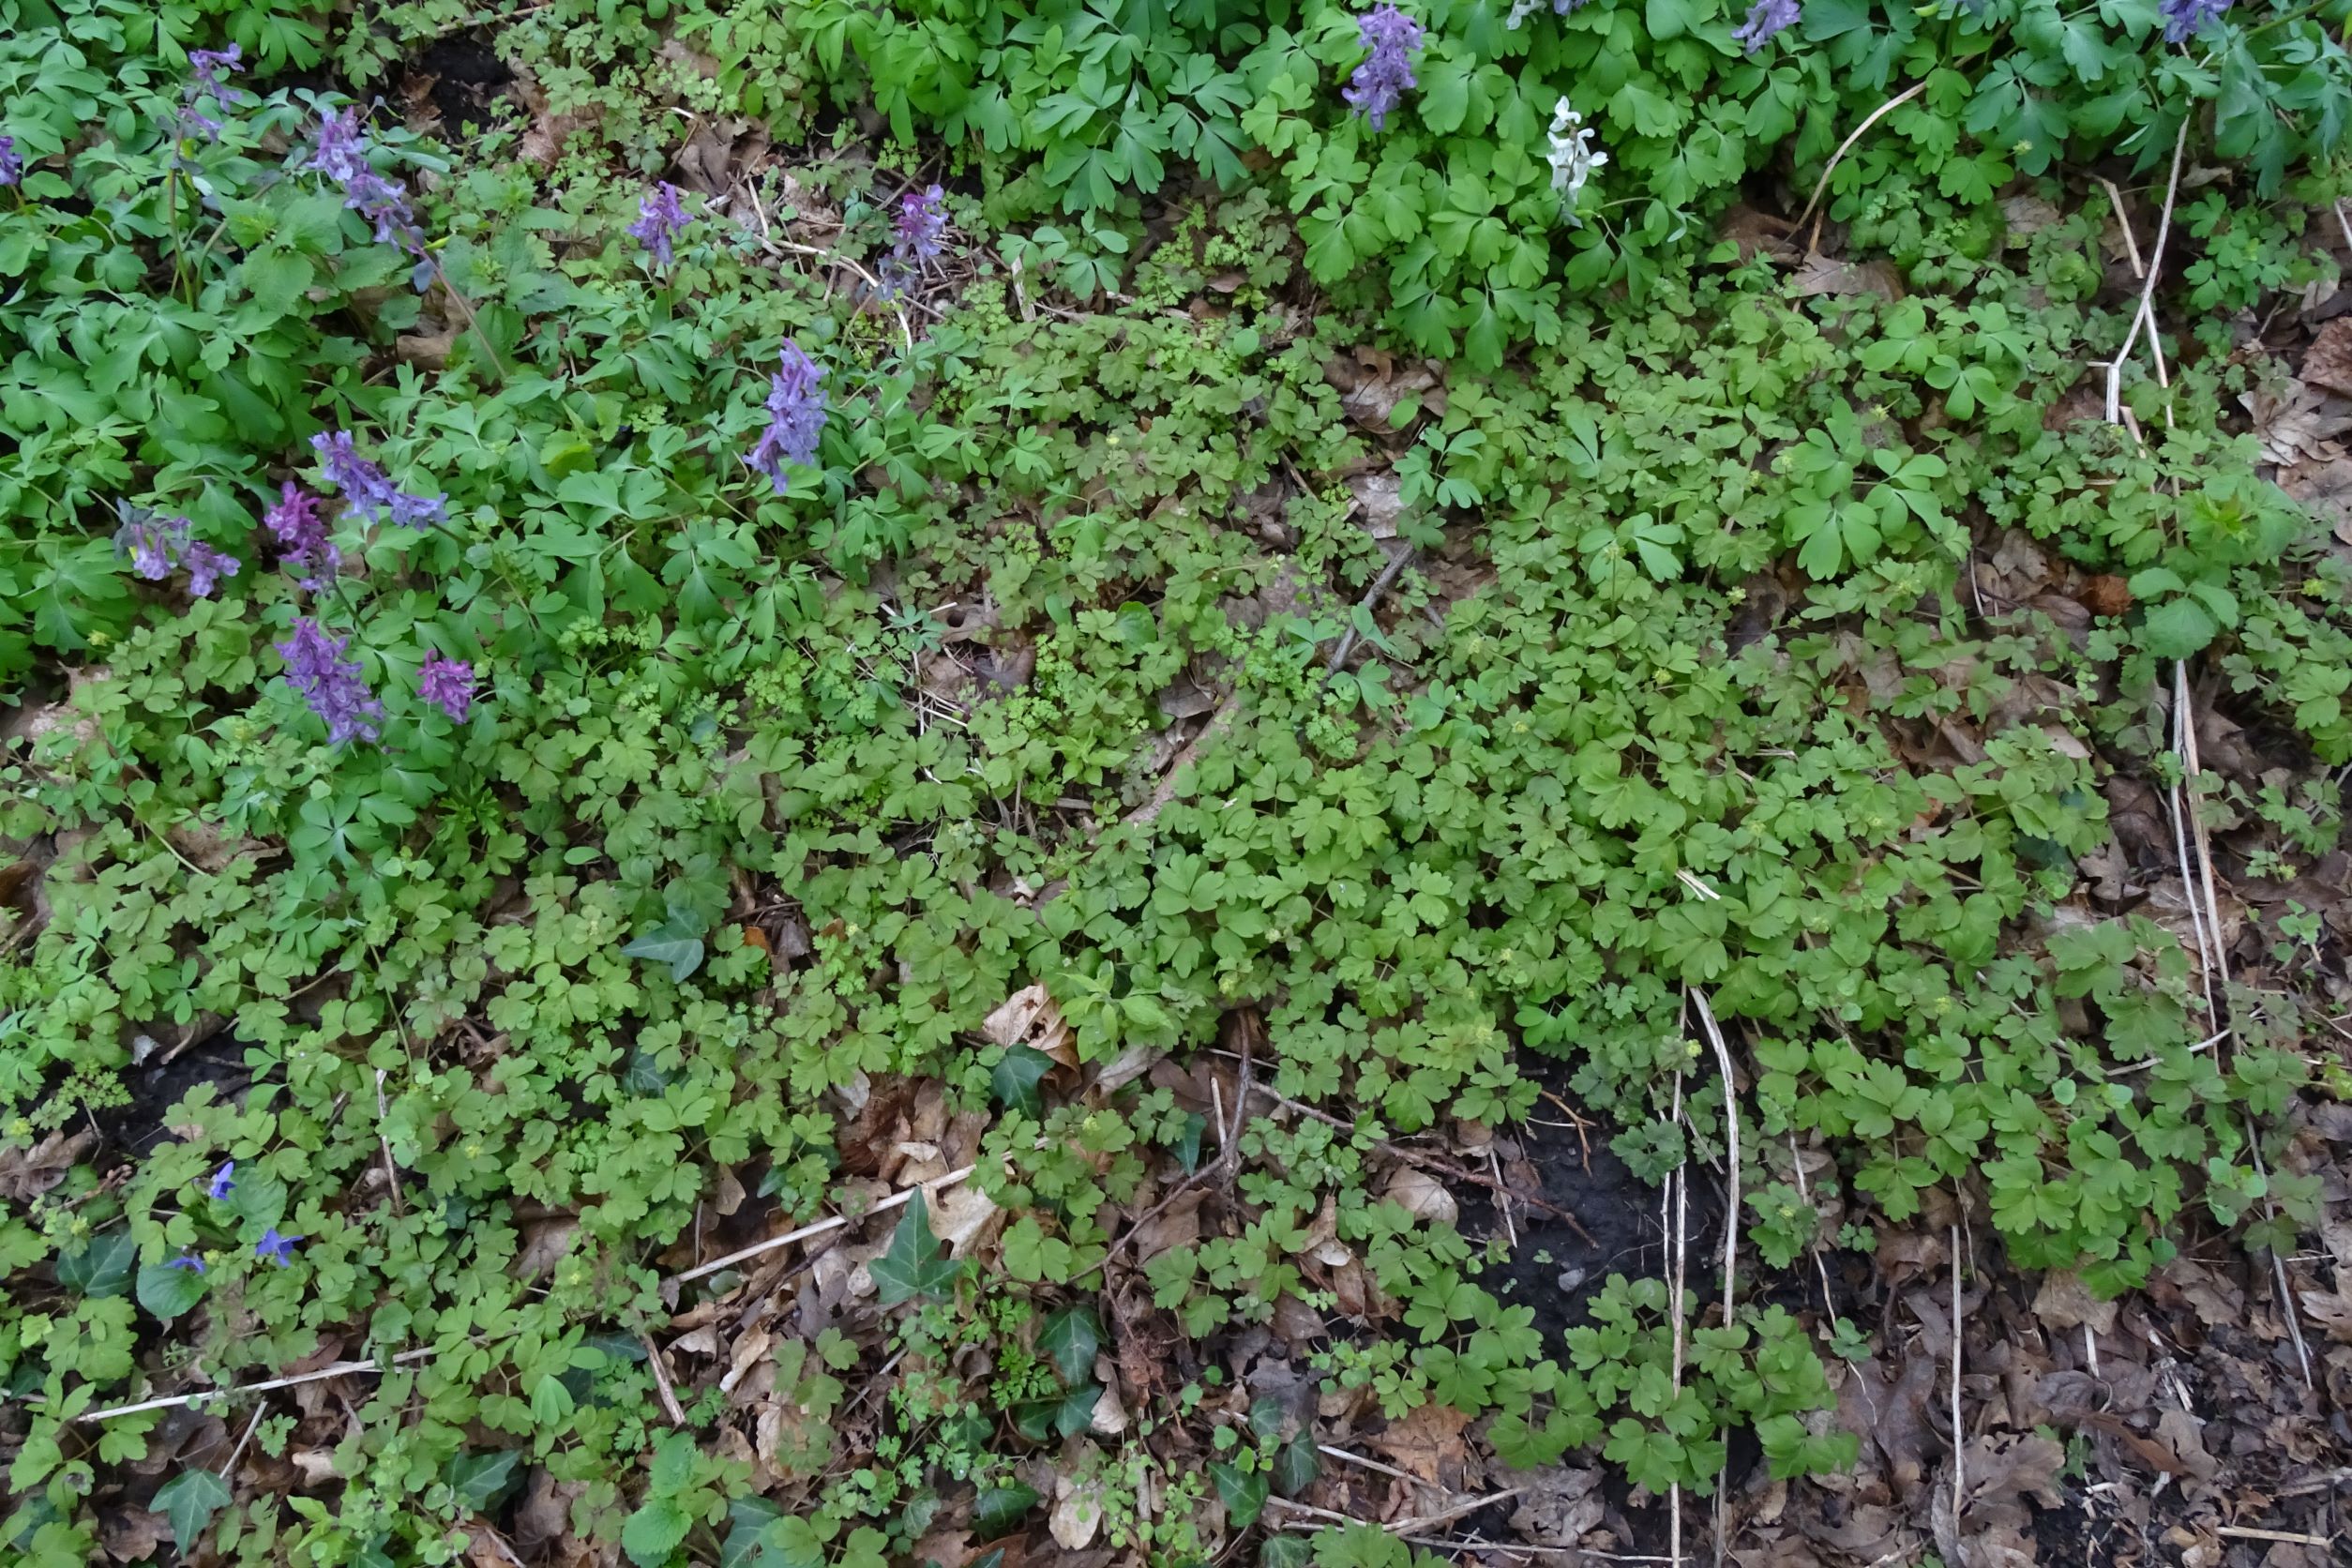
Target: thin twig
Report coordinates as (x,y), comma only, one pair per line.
(1342,1454)
(1905,96)
(906,330)
(817,1229)
(229,1471)
(391,1171)
(670,1405)
(1730,1218)
(1364,607)
(172,1400)
(2292,1538)
(1680,1184)
(2123,221)
(2148,286)
(1959,1459)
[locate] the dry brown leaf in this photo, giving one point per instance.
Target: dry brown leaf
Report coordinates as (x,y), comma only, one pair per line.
(1029,1017)
(2064,1302)
(747,1352)
(26,1173)
(2328,361)
(944,1548)
(131,1535)
(1423,1195)
(1427,1442)
(1826,275)
(964,1217)
(1178,1225)
(1077,1512)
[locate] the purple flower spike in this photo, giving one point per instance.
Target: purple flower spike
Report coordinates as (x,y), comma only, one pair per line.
(922,224)
(204,70)
(153,542)
(447,684)
(222,1180)
(2185,18)
(1393,39)
(332,684)
(206,566)
(188,1260)
(368,488)
(659,217)
(796,416)
(1769,19)
(298,524)
(277,1249)
(342,155)
(11,163)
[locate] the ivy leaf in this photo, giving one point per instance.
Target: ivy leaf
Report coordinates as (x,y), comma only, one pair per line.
(168,1291)
(1242,1492)
(1286,1551)
(189,1500)
(479,1480)
(101,1267)
(914,1266)
(1072,1336)
(681,949)
(1295,1464)
(1015,1079)
(996,1511)
(748,1519)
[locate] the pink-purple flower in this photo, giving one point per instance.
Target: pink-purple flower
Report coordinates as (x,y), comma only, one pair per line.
(447,684)
(206,67)
(298,524)
(342,155)
(796,416)
(2185,18)
(1767,20)
(155,544)
(659,217)
(1394,41)
(366,489)
(334,687)
(11,162)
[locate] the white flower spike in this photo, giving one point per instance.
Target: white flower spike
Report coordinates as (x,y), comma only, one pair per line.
(1572,157)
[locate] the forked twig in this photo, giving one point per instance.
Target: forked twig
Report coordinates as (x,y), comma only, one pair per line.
(818,1227)
(2144,314)
(1905,96)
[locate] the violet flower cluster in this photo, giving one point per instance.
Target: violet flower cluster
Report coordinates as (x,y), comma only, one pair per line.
(1522,9)
(155,545)
(796,416)
(1393,40)
(342,155)
(11,162)
(1767,20)
(2185,18)
(333,685)
(659,217)
(447,684)
(206,67)
(298,524)
(366,489)
(918,233)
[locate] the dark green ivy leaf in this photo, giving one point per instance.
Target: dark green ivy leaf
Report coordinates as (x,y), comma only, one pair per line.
(996,1511)
(914,1266)
(189,1500)
(669,944)
(1016,1080)
(101,1267)
(1072,1336)
(1242,1492)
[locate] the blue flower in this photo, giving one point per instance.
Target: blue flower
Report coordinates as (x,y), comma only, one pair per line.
(2185,18)
(277,1249)
(188,1260)
(222,1180)
(1381,82)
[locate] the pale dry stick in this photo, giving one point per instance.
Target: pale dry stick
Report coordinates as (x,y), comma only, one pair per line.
(1370,602)
(172,1400)
(2342,222)
(229,1471)
(391,1171)
(1959,1462)
(1502,1197)
(2123,221)
(818,1227)
(2292,1538)
(1681,1183)
(906,330)
(2147,285)
(2191,769)
(1905,96)
(1343,1455)
(1448,1515)
(669,1405)
(1730,1213)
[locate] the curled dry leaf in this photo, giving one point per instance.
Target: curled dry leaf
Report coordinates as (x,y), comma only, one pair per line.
(1029,1017)
(1077,1512)
(1423,1195)
(26,1173)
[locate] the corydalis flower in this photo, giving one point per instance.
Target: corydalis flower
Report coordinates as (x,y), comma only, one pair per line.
(1572,157)
(275,1248)
(204,70)
(155,544)
(1767,20)
(11,164)
(298,524)
(332,684)
(1381,82)
(1522,9)
(921,225)
(796,416)
(659,217)
(368,488)
(342,155)
(223,1180)
(2185,18)
(447,684)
